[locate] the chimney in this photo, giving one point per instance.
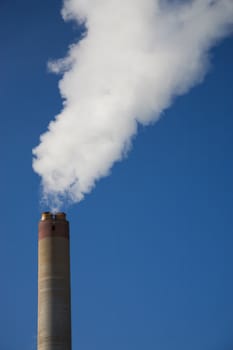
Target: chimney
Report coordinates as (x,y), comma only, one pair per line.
(54,306)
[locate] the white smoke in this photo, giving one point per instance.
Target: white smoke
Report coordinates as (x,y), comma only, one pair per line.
(134,58)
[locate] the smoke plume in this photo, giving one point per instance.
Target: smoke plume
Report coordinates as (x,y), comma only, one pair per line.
(133,59)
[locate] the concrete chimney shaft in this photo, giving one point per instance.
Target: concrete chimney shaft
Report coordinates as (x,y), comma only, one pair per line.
(54,306)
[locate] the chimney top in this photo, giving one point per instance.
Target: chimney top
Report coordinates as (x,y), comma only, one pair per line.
(46,215)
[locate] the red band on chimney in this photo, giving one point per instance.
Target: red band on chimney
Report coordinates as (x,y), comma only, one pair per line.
(50,228)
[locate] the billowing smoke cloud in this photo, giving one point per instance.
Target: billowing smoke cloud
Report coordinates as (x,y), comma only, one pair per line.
(134,58)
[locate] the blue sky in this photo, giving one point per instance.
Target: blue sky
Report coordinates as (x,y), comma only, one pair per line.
(151,246)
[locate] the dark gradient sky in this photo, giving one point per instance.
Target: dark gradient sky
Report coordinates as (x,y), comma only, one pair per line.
(151,247)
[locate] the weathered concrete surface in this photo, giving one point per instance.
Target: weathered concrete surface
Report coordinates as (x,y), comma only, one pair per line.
(54,307)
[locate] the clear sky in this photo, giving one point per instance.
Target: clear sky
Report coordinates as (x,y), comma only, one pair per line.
(151,246)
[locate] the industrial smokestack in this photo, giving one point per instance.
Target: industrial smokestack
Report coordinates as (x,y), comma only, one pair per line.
(54,305)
